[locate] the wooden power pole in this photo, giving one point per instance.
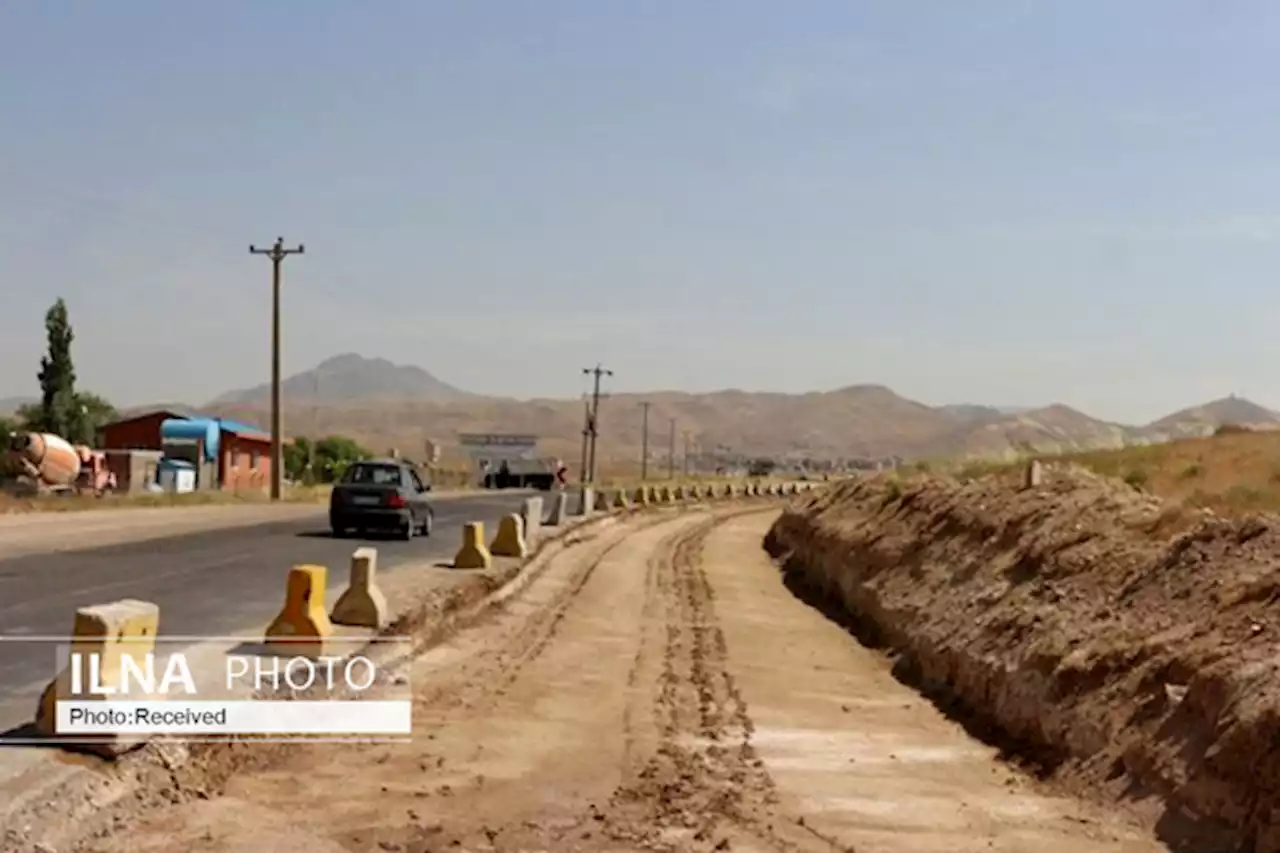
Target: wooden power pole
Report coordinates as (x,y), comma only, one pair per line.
(277,254)
(594,425)
(644,443)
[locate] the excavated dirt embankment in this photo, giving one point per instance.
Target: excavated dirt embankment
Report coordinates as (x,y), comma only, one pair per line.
(1067,624)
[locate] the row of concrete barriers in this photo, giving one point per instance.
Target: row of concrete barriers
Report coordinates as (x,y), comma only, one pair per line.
(518,533)
(128,628)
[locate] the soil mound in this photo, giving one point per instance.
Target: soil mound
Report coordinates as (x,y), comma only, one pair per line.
(1080,625)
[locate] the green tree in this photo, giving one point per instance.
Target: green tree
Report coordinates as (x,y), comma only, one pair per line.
(334,453)
(95,413)
(297,461)
(92,413)
(75,415)
(57,411)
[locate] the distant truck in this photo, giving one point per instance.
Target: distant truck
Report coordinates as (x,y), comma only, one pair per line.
(543,474)
(52,464)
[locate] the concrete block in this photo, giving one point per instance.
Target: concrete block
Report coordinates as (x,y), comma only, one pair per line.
(303,623)
(620,500)
(642,496)
(1034,475)
(111,633)
(559,510)
(473,554)
(730,490)
(362,603)
(531,519)
(509,541)
(668,495)
(605,500)
(586,501)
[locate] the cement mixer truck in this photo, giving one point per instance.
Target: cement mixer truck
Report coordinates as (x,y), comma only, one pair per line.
(53,464)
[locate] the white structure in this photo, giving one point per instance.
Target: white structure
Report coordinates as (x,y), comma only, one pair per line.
(489,450)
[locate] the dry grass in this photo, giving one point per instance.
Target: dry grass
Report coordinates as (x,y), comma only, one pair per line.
(1231,473)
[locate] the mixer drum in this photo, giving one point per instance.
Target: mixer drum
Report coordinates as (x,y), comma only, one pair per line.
(53,457)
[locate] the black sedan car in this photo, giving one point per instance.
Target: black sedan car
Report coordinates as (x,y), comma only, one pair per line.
(381,494)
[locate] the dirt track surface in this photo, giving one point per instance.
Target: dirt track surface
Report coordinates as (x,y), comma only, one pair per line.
(655,688)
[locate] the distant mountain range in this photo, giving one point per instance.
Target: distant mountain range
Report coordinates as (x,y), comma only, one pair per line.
(385,405)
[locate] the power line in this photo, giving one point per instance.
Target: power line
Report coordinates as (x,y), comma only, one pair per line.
(277,254)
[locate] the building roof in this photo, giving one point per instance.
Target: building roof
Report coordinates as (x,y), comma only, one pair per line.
(182,413)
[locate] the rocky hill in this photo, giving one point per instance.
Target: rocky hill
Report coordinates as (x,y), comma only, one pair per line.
(1204,419)
(350,378)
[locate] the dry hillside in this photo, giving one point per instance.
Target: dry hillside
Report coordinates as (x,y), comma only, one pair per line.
(1237,471)
(864,421)
(386,405)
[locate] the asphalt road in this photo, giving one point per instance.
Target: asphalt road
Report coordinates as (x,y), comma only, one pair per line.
(212,583)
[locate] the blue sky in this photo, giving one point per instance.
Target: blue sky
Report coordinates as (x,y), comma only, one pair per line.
(1002,202)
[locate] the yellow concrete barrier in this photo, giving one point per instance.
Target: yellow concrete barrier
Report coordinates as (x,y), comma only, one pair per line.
(111,633)
(473,554)
(303,623)
(620,500)
(730,490)
(362,603)
(668,495)
(642,496)
(509,540)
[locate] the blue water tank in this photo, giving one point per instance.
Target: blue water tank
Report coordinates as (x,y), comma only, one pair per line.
(202,429)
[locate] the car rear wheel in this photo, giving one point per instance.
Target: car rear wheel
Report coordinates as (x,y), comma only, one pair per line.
(410,528)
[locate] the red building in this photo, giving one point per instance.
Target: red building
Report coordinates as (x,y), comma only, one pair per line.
(244,451)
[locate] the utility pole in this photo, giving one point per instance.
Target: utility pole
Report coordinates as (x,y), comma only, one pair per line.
(594,421)
(644,444)
(671,451)
(685,435)
(315,429)
(586,434)
(277,254)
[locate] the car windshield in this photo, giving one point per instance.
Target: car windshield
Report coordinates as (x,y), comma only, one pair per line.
(374,475)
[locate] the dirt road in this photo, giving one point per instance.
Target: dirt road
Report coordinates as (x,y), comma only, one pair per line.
(656,688)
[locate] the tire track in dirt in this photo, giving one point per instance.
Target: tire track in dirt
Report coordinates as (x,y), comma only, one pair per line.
(522,719)
(704,788)
(594,711)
